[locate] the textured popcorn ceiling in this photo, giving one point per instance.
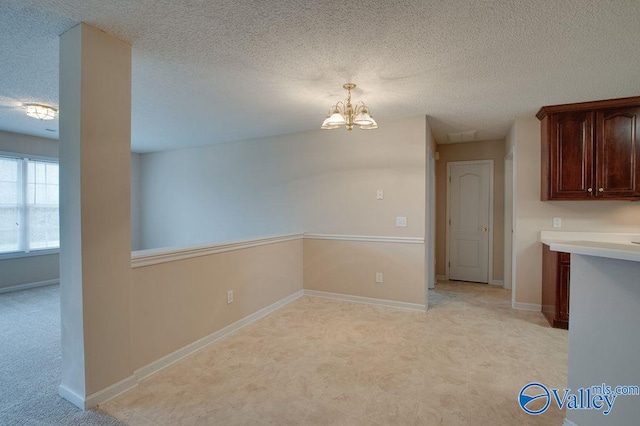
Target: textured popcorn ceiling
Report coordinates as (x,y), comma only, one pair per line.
(216,71)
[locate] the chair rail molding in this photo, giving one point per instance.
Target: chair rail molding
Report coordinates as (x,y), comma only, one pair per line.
(365,238)
(144,258)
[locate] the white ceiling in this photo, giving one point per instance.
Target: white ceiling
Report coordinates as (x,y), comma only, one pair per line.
(217,71)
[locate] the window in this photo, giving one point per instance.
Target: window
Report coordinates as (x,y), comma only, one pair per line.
(29,218)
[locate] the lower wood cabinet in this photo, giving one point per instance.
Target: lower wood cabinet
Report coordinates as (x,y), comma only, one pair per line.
(556,268)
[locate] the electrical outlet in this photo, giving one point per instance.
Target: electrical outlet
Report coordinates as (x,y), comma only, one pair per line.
(229,296)
(380,194)
(378,277)
(557,222)
(401,221)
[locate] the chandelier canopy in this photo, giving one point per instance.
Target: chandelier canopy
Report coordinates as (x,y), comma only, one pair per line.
(345,114)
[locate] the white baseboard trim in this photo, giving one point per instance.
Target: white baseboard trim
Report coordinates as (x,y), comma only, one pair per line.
(71,396)
(366,300)
(100,396)
(440,278)
(534,307)
(29,285)
(111,392)
(156,366)
(567,422)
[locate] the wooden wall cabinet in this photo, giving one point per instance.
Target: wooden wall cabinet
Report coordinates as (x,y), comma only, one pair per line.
(556,268)
(591,150)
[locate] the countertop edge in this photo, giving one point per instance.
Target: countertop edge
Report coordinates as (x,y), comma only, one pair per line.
(548,237)
(593,248)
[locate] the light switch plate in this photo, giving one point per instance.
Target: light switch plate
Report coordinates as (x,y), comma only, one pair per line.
(557,222)
(380,194)
(401,221)
(229,296)
(378,277)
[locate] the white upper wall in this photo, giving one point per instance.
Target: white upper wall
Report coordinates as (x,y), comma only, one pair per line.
(315,182)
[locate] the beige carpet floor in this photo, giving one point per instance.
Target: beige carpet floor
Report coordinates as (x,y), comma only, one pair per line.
(324,362)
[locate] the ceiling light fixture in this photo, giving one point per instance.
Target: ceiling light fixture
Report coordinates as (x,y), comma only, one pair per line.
(345,114)
(41,112)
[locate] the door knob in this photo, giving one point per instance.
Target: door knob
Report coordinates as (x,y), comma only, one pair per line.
(589,190)
(485,229)
(600,189)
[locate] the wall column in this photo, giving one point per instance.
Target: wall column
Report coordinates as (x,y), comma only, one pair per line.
(95,212)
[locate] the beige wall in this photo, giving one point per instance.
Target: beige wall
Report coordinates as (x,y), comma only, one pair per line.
(533,215)
(486,150)
(176,303)
(349,267)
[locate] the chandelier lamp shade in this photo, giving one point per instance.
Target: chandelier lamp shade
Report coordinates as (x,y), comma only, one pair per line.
(348,115)
(41,112)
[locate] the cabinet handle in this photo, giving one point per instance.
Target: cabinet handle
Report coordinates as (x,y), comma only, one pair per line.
(601,190)
(590,190)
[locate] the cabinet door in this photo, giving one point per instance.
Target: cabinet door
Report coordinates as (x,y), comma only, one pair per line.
(618,153)
(571,156)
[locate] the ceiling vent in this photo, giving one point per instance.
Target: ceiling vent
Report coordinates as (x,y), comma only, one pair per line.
(467,136)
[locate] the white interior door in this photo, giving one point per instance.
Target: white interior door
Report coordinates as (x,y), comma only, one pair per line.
(470,193)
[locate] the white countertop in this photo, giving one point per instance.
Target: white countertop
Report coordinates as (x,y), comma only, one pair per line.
(601,244)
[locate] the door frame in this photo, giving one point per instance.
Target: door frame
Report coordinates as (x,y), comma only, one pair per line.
(431,222)
(490,279)
(509,219)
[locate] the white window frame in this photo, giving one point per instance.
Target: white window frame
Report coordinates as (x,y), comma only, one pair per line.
(24,210)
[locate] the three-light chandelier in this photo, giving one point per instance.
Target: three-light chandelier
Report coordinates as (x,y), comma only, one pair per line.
(345,114)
